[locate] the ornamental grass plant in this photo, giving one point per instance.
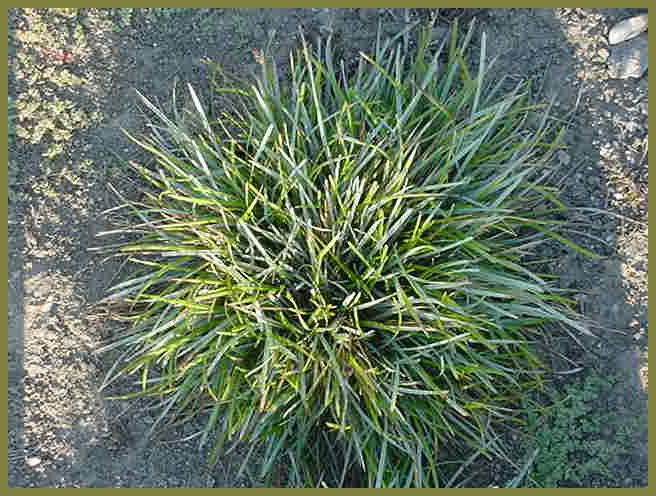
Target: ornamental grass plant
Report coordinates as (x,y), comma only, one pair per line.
(337,270)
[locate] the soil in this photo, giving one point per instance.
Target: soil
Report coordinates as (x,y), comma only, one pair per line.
(62,432)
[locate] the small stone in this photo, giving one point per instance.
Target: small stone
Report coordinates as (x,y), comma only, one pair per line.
(627,29)
(33,461)
(629,60)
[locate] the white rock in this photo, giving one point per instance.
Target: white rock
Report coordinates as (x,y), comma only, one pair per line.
(627,29)
(33,461)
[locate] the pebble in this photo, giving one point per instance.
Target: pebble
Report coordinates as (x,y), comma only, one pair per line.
(629,60)
(33,461)
(627,29)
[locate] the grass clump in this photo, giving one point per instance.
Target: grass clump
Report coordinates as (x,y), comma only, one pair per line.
(335,270)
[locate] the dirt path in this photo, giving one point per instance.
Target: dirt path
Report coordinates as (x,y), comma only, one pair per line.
(74,97)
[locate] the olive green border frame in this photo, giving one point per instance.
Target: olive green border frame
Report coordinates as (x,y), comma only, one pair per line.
(271,4)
